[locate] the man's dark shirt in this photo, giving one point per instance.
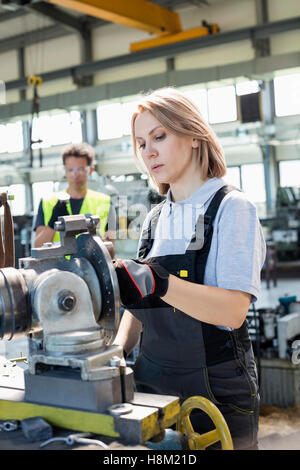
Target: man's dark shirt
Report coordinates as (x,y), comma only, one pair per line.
(40,220)
(76,206)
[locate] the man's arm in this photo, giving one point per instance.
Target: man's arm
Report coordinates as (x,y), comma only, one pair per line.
(44,234)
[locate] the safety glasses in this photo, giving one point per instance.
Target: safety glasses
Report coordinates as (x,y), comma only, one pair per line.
(83,170)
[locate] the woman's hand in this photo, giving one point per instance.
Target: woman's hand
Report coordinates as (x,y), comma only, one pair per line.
(138,279)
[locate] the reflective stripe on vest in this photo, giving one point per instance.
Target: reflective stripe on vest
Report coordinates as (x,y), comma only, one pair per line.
(94,203)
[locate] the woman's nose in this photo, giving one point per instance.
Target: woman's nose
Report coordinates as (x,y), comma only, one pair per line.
(150,151)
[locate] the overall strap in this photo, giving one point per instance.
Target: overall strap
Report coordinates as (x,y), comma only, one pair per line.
(209,217)
(147,237)
(213,207)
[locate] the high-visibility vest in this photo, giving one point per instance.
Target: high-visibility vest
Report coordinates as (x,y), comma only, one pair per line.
(94,203)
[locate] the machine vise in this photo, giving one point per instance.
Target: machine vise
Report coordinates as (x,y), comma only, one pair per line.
(66,299)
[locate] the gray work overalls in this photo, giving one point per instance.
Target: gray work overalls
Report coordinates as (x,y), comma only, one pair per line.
(182,356)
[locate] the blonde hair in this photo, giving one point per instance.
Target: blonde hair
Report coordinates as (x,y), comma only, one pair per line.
(181,117)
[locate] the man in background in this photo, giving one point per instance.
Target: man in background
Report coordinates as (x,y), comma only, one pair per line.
(78,160)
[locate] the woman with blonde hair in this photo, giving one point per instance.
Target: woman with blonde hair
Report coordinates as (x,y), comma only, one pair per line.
(198,269)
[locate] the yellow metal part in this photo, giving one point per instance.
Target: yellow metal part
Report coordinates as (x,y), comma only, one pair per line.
(149,426)
(202,441)
(171,38)
(168,408)
(34,80)
(60,417)
(139,14)
(19,359)
(149,416)
(183,273)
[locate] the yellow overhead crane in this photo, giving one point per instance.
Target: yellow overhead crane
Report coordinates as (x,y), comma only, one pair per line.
(140,14)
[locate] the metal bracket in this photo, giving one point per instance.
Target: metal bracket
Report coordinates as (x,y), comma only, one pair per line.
(69,226)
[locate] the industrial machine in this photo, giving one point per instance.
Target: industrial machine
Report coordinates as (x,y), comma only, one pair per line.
(275,336)
(65,298)
(274,330)
(284,227)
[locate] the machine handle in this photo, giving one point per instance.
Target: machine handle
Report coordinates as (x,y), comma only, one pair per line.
(201,441)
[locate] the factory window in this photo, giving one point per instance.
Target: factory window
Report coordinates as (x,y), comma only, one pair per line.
(233,176)
(58,129)
(253,185)
(11,137)
(110,121)
(17,205)
(114,119)
(216,105)
(39,190)
(222,104)
(245,88)
(128,109)
(289,172)
(287,95)
(200,98)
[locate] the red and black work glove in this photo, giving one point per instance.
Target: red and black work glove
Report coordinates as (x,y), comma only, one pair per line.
(139,279)
(59,210)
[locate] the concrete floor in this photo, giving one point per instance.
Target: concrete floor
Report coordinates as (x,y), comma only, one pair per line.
(279,429)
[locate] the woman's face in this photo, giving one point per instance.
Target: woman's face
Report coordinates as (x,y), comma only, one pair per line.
(168,157)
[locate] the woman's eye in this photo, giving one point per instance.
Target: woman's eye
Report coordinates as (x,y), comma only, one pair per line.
(160,137)
(141,146)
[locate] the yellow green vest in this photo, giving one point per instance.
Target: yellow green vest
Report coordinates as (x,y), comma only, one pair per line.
(94,203)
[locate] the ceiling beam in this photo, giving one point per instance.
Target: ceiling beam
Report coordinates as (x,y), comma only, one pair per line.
(170,50)
(88,97)
(12,15)
(253,32)
(262,46)
(58,15)
(138,14)
(44,34)
(32,37)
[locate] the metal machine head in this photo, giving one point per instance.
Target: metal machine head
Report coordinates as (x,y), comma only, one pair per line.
(66,299)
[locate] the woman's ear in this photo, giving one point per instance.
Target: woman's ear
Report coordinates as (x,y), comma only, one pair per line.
(195,144)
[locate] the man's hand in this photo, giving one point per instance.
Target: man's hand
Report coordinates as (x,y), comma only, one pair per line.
(139,279)
(59,210)
(43,234)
